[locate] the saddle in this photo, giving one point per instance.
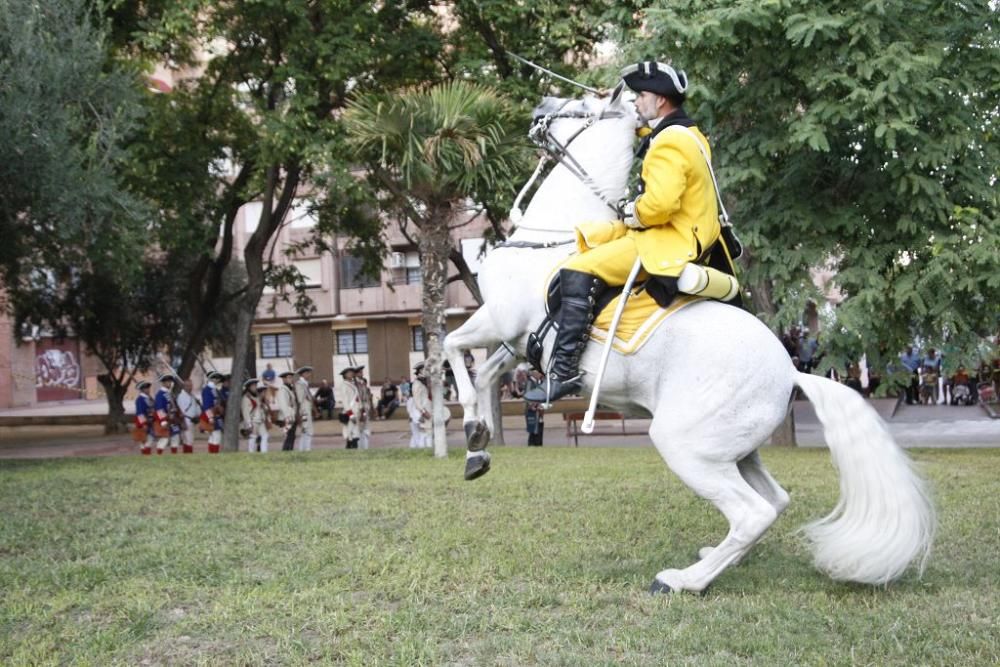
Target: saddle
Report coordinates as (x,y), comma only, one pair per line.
(651,302)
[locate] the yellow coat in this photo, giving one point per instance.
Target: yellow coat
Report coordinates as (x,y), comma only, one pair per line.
(678,209)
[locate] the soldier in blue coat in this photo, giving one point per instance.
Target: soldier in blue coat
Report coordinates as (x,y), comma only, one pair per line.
(167,424)
(211,405)
(144,416)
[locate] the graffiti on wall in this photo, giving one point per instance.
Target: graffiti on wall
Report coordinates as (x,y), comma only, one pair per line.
(57,368)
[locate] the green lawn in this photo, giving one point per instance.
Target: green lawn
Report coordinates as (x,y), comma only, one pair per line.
(388,557)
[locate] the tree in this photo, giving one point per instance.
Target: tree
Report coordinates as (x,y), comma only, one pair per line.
(75,257)
(64,116)
(862,136)
(427,151)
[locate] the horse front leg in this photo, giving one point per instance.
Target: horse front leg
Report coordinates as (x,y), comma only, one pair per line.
(477,331)
(477,459)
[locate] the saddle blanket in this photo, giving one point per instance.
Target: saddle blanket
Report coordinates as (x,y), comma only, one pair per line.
(641,318)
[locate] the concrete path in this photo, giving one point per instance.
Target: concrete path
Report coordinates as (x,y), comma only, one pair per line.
(912,426)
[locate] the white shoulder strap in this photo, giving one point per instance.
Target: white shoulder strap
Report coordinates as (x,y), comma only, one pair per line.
(723,214)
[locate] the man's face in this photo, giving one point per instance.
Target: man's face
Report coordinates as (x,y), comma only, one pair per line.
(188,386)
(648,105)
(287,379)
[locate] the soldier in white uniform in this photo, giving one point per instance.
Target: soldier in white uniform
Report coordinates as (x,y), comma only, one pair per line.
(307,408)
(419,409)
(288,410)
(191,409)
(349,400)
(252,416)
(367,407)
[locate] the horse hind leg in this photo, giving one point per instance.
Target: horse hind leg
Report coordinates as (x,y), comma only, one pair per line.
(748,513)
(756,475)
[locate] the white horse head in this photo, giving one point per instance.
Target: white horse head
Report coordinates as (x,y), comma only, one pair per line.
(595,139)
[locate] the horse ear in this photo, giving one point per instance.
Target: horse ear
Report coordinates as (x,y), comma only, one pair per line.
(616,94)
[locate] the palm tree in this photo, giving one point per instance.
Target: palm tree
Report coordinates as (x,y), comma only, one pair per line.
(429,151)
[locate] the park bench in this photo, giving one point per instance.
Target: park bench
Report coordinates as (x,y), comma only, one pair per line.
(574,420)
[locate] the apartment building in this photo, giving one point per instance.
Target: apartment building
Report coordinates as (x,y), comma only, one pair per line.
(358,320)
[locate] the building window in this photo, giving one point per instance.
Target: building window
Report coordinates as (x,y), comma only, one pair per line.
(413,275)
(417,339)
(275,345)
(351,276)
(352,341)
(311,270)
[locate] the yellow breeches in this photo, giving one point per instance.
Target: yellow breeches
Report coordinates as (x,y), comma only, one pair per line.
(611,261)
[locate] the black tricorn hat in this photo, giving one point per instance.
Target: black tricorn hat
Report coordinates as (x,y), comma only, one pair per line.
(656,77)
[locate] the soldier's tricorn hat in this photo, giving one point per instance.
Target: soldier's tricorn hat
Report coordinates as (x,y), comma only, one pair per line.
(347,370)
(252,382)
(167,376)
(656,77)
(286,374)
(215,375)
(358,369)
(420,366)
(304,369)
(143,384)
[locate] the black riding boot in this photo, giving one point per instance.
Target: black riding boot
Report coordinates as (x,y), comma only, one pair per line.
(578,291)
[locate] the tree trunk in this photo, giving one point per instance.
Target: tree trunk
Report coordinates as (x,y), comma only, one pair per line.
(784,435)
(435,247)
(244,323)
(253,258)
(115,393)
(762,297)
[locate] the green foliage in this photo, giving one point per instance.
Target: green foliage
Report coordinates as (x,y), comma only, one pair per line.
(389,559)
(447,142)
(64,116)
(859,133)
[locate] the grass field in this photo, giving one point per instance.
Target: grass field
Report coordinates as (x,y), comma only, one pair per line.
(388,557)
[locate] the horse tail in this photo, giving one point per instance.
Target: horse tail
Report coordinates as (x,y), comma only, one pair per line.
(884,520)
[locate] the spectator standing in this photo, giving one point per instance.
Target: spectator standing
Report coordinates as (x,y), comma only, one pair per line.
(268,376)
(324,400)
(388,400)
(911,362)
(932,375)
(807,353)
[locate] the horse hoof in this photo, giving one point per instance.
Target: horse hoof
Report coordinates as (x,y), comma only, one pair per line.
(477,466)
(659,587)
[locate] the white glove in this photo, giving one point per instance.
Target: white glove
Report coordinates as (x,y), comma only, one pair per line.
(627,209)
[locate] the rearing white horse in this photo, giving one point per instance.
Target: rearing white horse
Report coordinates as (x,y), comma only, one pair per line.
(714,379)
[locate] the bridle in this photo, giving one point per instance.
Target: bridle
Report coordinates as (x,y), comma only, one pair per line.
(558,152)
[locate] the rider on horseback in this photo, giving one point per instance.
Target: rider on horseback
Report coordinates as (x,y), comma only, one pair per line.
(673,222)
